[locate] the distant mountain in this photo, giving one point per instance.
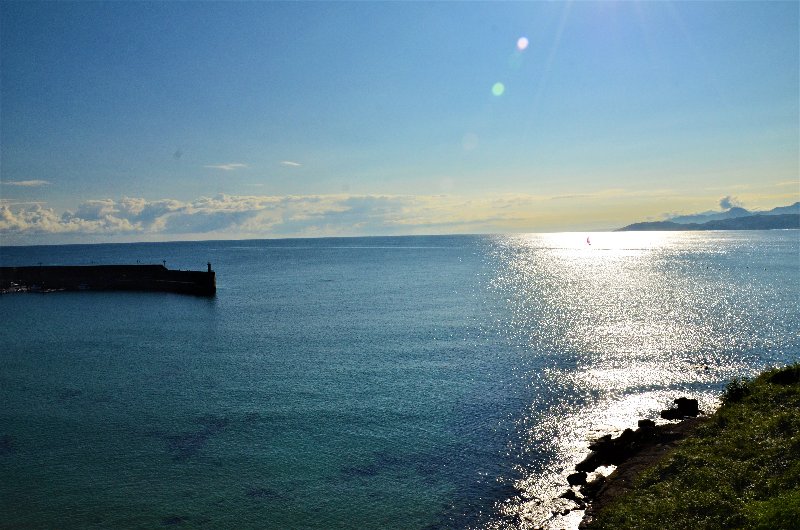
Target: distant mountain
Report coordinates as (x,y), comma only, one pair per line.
(732,213)
(780,210)
(704,217)
(760,221)
(655,226)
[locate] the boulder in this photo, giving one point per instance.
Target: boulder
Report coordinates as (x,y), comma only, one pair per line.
(570,495)
(600,442)
(685,407)
(646,424)
(591,462)
(591,488)
(670,414)
(577,479)
(627,437)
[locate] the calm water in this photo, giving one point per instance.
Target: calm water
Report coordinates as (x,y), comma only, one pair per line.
(405,382)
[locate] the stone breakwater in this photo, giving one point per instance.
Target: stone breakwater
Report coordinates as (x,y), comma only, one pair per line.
(107,278)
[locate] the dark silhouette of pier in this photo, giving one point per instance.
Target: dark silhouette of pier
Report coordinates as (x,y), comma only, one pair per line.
(107,278)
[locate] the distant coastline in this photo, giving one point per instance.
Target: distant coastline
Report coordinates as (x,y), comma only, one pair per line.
(751,222)
(781,218)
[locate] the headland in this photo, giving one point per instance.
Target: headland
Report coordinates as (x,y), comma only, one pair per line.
(107,278)
(736,468)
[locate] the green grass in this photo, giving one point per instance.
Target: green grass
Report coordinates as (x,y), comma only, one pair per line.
(740,470)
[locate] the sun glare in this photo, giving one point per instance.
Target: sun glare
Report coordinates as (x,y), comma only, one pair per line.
(607,242)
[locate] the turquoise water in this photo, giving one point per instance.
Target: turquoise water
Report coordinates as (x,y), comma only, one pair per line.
(404,382)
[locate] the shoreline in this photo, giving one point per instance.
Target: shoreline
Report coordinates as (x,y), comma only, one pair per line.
(608,488)
(591,487)
(734,468)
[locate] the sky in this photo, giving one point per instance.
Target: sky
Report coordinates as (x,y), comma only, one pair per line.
(154,121)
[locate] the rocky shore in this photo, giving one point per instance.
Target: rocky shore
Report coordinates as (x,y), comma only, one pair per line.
(631,452)
(643,455)
(735,468)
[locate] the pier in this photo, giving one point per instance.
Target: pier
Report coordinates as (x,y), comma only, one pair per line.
(107,278)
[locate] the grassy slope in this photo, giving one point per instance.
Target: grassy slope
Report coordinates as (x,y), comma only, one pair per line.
(740,470)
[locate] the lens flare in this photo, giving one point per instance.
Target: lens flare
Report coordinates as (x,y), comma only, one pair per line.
(498,89)
(522,43)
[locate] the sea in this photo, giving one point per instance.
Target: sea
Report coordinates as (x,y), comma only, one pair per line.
(377,382)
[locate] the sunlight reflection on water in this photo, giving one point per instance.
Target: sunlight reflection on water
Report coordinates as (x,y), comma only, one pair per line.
(613,328)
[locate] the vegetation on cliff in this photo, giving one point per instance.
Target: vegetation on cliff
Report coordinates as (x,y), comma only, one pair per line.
(740,469)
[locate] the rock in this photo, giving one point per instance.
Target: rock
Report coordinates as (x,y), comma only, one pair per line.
(577,479)
(627,435)
(570,495)
(591,488)
(613,451)
(646,424)
(670,414)
(686,407)
(590,463)
(610,451)
(600,442)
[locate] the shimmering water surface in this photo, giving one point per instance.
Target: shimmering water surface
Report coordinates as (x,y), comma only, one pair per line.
(405,382)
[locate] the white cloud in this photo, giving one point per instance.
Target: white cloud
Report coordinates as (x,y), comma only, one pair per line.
(12,202)
(788,183)
(251,216)
(290,163)
(38,220)
(228,167)
(26,183)
(264,216)
(728,202)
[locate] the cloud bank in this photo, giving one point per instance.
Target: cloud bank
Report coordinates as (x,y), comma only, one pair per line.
(227,216)
(228,167)
(26,183)
(264,216)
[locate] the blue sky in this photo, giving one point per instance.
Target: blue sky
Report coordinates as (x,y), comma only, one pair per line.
(179,120)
